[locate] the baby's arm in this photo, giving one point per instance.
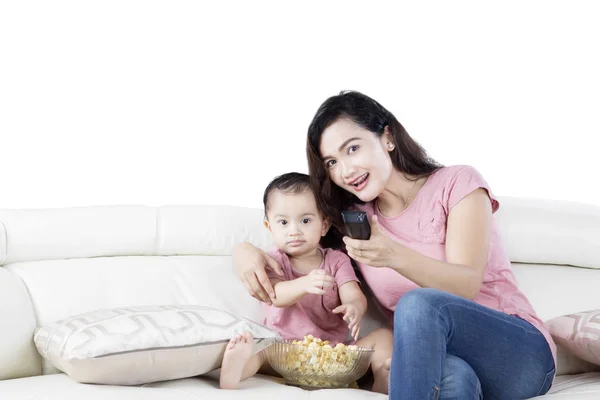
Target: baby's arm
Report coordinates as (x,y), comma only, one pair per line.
(350,293)
(354,306)
(290,292)
(287,293)
(354,302)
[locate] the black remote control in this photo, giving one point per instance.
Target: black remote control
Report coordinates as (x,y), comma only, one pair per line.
(357,224)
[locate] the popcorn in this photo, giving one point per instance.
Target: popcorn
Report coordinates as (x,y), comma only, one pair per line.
(314,362)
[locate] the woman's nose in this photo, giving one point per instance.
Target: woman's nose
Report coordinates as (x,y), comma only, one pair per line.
(347,170)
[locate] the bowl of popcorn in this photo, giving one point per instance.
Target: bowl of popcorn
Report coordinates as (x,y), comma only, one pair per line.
(313,363)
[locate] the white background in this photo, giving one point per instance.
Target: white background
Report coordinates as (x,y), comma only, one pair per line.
(175,102)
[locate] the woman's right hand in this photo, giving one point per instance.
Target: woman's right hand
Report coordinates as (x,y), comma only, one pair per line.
(250,263)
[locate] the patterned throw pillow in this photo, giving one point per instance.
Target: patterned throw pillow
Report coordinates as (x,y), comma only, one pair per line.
(136,345)
(578,333)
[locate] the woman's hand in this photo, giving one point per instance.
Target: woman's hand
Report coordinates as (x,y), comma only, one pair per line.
(378,251)
(249,264)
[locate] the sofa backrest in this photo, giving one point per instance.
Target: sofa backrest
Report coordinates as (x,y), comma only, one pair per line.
(61,262)
(55,234)
(554,247)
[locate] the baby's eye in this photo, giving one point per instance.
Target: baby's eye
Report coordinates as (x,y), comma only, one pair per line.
(306,220)
(330,163)
(352,149)
(282,222)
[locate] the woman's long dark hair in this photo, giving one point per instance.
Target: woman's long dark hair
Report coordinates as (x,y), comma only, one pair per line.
(407,157)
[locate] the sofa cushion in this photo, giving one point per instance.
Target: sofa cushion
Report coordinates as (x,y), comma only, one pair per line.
(136,345)
(556,290)
(579,333)
(62,288)
(550,232)
(259,387)
(18,356)
(208,230)
(570,364)
(78,232)
(103,231)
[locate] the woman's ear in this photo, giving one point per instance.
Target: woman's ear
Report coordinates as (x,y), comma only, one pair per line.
(326,226)
(386,139)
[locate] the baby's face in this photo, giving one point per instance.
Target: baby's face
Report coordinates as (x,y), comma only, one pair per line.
(295,222)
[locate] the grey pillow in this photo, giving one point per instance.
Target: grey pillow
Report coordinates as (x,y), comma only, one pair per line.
(136,345)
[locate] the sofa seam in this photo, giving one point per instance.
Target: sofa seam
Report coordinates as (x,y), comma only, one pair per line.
(4,256)
(158,231)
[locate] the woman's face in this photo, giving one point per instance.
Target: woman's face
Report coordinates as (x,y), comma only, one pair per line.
(357,159)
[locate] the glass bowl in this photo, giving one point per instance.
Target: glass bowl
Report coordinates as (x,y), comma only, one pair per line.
(314,364)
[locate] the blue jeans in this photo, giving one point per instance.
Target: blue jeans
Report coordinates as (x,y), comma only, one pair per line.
(448,347)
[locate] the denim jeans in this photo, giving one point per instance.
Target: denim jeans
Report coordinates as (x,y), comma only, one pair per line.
(448,347)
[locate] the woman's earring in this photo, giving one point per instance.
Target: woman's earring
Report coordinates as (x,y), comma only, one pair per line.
(391,145)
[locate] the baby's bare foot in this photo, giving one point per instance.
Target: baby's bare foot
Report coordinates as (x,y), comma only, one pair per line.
(237,354)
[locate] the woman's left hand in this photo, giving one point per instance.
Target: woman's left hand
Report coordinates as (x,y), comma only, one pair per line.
(378,251)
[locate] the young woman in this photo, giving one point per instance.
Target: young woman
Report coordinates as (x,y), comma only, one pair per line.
(435,260)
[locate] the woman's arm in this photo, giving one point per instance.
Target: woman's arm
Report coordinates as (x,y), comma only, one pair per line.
(468,232)
(249,264)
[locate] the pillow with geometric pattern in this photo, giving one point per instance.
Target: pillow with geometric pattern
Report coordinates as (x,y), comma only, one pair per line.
(578,333)
(137,345)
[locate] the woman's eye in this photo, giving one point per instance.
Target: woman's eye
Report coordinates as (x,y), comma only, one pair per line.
(352,149)
(306,220)
(330,163)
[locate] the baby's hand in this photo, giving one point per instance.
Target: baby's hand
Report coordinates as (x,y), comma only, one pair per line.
(317,281)
(352,316)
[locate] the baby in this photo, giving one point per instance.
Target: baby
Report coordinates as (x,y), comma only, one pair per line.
(318,293)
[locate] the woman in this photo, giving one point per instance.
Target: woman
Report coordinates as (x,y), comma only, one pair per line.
(435,260)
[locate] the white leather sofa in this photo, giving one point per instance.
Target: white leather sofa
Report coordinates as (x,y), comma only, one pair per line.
(61,262)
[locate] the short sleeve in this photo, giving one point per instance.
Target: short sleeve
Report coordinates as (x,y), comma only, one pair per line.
(277,256)
(343,271)
(463,182)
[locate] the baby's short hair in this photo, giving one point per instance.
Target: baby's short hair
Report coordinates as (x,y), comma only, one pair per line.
(292,182)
